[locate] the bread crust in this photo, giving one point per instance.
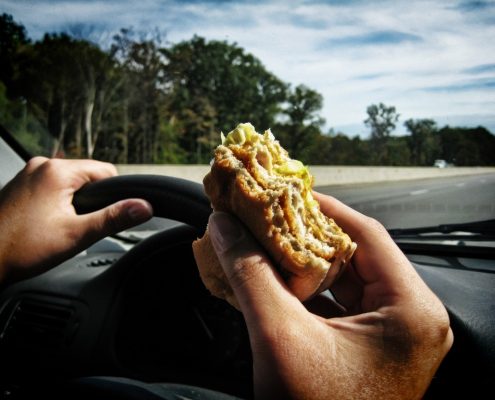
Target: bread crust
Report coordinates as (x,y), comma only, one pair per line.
(211,271)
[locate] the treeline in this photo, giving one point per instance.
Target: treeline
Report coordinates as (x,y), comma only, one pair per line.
(141,101)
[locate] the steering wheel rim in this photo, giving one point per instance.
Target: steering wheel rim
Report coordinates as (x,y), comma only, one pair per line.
(171,197)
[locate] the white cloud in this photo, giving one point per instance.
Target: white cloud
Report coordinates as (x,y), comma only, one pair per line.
(354,53)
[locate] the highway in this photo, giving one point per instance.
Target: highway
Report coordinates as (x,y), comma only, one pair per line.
(422,202)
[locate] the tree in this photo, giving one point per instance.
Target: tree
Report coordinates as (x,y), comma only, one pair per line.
(467,146)
(12,37)
(101,80)
(423,141)
(320,152)
(47,75)
(146,131)
(213,86)
(144,67)
(350,151)
(381,120)
(398,152)
(67,84)
(21,125)
(299,134)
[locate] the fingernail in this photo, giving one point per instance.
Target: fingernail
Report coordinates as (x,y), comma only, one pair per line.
(225,231)
(139,212)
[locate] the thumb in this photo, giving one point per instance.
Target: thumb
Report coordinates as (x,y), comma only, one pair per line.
(116,217)
(262,294)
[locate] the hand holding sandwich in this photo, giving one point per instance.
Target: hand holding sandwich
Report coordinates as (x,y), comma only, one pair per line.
(385,338)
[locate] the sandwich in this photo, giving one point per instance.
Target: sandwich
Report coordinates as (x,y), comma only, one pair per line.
(253,178)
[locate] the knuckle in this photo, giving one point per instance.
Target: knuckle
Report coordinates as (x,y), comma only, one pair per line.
(427,328)
(103,167)
(75,237)
(53,167)
(375,225)
(112,220)
(439,327)
(34,163)
(370,228)
(112,168)
(247,269)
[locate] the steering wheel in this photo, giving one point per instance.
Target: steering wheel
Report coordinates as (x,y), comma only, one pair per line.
(196,337)
(170,197)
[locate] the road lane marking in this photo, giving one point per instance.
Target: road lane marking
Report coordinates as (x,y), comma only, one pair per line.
(420,191)
(461,184)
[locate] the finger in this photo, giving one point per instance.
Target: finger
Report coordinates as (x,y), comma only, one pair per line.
(114,218)
(377,257)
(34,163)
(348,290)
(350,220)
(262,295)
(69,174)
(91,170)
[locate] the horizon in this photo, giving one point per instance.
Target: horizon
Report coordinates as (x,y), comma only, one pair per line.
(428,59)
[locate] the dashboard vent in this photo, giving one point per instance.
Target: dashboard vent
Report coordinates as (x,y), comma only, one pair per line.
(37,324)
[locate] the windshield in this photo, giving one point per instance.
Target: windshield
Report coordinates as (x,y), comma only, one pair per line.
(390,103)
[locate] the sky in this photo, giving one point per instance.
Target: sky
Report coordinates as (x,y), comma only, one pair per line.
(429,59)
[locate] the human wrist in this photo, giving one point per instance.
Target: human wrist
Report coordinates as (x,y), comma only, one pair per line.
(3,260)
(5,250)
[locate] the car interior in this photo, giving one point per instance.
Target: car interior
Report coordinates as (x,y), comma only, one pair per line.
(136,308)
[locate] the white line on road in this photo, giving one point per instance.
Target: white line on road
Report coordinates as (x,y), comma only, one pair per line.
(416,192)
(461,184)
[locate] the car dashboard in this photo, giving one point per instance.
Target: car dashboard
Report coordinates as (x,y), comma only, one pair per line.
(143,313)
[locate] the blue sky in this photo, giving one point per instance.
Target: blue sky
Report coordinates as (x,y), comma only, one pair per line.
(430,59)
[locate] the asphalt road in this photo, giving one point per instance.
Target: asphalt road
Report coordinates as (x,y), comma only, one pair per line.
(422,203)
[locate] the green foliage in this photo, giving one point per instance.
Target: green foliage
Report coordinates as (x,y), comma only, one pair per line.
(169,151)
(397,150)
(142,69)
(66,83)
(212,87)
(423,141)
(467,146)
(23,126)
(12,37)
(340,149)
(381,120)
(347,151)
(300,133)
(320,151)
(142,102)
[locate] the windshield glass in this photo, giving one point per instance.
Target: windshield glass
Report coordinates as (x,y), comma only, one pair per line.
(390,103)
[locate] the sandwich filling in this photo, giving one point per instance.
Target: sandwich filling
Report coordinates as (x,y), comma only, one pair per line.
(284,185)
